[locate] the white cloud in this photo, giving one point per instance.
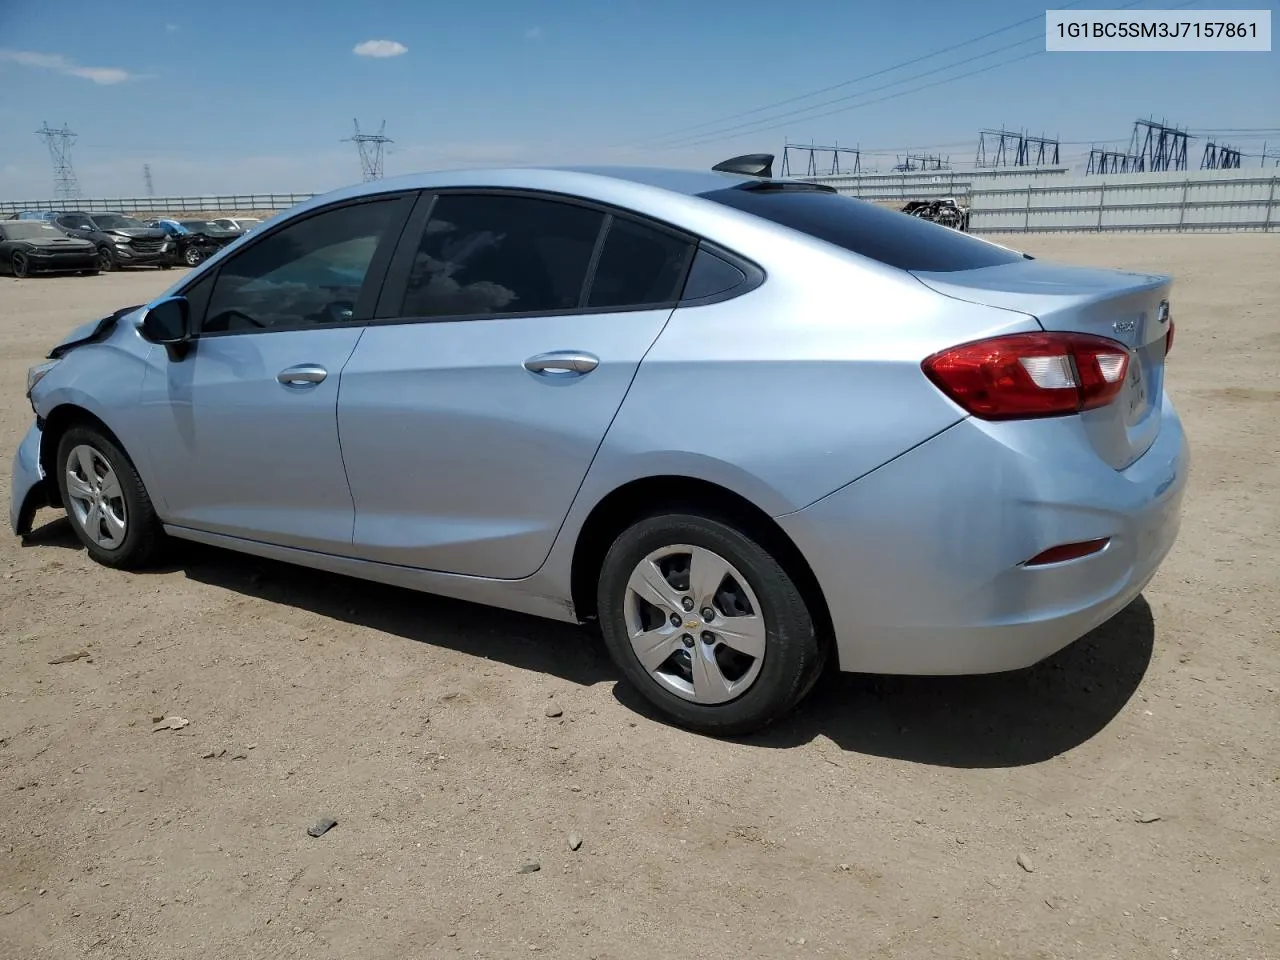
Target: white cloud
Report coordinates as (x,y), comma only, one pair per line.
(533,33)
(104,76)
(379,48)
(171,28)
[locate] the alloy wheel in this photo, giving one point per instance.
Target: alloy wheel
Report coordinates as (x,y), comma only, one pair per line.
(695,624)
(97,500)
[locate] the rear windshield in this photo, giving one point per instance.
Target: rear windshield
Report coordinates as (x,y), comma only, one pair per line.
(893,238)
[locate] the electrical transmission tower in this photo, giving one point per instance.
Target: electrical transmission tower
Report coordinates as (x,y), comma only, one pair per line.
(912,162)
(65,184)
(1015,150)
(853,166)
(146,178)
(1218,157)
(372,146)
(1114,161)
(1161,147)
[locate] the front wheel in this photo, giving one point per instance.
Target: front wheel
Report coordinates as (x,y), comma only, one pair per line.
(706,624)
(105,500)
(21,268)
(192,257)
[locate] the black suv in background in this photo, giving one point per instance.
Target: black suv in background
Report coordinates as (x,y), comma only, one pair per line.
(121,241)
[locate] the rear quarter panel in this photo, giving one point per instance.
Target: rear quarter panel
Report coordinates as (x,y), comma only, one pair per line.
(797,388)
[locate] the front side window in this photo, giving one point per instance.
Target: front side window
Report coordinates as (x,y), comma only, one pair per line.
(487,254)
(639,266)
(890,237)
(309,273)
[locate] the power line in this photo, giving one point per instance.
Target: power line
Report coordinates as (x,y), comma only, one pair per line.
(795,114)
(845,83)
(372,148)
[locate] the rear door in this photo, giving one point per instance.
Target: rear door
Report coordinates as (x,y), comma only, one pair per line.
(509,332)
(1131,308)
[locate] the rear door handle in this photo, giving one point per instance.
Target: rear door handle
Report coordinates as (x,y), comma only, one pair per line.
(562,363)
(303,375)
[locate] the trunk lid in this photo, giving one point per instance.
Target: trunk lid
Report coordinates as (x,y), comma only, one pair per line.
(1131,308)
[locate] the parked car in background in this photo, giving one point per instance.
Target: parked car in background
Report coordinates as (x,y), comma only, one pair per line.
(239,224)
(191,242)
(33,215)
(36,246)
(206,239)
(745,424)
(121,241)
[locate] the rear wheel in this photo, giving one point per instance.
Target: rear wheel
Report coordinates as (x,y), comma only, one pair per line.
(105,500)
(706,624)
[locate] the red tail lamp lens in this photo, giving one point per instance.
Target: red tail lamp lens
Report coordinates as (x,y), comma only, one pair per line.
(1031,374)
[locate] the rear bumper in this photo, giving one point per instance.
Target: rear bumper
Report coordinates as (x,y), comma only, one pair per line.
(921,560)
(28,488)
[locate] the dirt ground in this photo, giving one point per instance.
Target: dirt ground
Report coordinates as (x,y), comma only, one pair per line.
(1136,775)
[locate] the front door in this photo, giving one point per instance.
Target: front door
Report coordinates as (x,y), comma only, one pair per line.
(243,428)
(470,413)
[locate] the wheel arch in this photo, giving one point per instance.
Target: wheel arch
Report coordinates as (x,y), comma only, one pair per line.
(61,419)
(650,495)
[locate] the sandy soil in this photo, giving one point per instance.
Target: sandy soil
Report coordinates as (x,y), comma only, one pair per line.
(1136,774)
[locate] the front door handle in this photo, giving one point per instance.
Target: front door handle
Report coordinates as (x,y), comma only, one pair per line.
(562,363)
(303,375)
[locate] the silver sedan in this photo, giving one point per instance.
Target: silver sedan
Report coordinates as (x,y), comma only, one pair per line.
(749,426)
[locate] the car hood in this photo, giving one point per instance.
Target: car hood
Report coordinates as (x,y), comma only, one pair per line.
(54,243)
(145,233)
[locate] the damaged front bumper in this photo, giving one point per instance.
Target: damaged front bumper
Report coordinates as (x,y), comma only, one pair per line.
(29,487)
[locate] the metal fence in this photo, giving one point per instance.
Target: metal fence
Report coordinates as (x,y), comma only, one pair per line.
(228,202)
(933,184)
(1188,202)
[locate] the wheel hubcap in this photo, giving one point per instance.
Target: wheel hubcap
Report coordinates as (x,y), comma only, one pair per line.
(681,592)
(97,501)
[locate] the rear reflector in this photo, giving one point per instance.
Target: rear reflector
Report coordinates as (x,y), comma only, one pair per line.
(1031,374)
(1067,551)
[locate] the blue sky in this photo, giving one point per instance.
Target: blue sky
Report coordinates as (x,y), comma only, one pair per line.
(256,96)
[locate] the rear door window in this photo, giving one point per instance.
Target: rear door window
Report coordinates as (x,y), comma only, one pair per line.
(639,266)
(887,236)
(493,255)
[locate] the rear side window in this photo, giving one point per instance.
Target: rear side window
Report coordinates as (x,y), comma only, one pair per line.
(887,236)
(711,276)
(639,266)
(485,254)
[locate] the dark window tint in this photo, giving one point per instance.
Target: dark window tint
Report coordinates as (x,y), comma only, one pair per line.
(888,236)
(710,276)
(491,254)
(308,274)
(638,266)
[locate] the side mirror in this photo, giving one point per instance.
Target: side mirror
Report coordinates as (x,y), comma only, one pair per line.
(169,322)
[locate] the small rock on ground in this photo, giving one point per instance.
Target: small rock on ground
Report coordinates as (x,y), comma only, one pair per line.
(553,709)
(1025,863)
(575,841)
(531,867)
(321,827)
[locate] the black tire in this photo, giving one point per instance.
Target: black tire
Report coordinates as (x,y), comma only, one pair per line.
(144,538)
(106,260)
(166,266)
(21,267)
(89,273)
(192,257)
(793,656)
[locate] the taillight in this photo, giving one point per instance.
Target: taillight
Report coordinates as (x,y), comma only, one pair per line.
(1031,374)
(1168,338)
